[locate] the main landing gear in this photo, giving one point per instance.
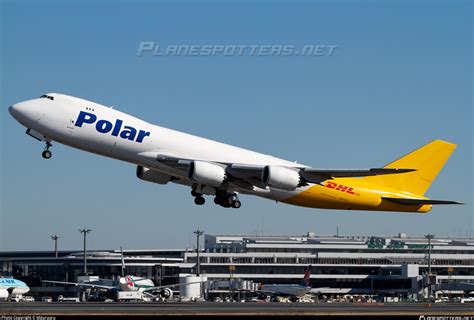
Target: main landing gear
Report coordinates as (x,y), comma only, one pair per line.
(222,198)
(46,153)
(198,198)
(227,200)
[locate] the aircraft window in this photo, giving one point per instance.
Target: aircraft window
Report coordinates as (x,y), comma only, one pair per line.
(47,97)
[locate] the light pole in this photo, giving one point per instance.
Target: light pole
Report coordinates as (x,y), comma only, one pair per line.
(198,233)
(231,282)
(85,232)
(55,238)
(429,237)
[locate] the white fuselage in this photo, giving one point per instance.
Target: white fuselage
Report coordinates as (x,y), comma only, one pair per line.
(286,289)
(105,131)
(133,283)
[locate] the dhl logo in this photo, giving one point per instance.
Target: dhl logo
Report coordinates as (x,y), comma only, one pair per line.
(339,187)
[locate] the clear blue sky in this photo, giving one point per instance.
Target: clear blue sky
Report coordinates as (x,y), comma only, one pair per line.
(400,77)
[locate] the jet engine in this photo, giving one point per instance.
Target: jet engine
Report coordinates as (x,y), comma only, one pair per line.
(3,295)
(152,175)
(206,173)
(281,178)
(166,293)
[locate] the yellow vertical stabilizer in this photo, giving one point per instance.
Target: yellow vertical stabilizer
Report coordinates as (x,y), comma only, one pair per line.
(427,161)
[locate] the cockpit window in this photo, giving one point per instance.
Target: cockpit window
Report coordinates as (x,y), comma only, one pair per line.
(47,97)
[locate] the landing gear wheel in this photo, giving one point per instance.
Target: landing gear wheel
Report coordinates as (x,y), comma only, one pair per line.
(47,154)
(199,201)
(236,204)
(227,200)
(194,193)
(226,203)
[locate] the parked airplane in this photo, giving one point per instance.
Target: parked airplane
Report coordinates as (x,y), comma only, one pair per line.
(212,168)
(11,288)
(127,283)
(288,290)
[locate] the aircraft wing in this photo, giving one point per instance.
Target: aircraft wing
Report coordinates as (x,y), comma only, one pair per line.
(171,286)
(173,161)
(80,284)
(248,175)
(344,173)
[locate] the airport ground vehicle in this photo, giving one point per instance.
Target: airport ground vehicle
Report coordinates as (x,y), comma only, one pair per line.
(61,298)
(130,296)
(27,299)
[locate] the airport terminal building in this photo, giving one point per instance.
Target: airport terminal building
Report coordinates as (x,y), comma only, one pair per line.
(391,267)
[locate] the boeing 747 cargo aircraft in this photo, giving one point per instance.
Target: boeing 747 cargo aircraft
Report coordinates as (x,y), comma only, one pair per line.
(223,171)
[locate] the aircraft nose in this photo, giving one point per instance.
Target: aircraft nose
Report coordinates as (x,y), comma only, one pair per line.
(13,109)
(24,112)
(18,110)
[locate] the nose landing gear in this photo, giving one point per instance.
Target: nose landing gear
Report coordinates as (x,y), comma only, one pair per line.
(46,153)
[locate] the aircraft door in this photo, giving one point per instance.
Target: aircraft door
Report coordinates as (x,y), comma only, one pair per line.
(70,123)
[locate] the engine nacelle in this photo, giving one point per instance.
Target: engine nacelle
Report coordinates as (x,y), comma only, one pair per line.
(166,293)
(281,178)
(206,173)
(152,175)
(3,294)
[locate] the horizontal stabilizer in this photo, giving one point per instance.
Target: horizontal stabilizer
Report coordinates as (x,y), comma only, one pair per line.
(420,201)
